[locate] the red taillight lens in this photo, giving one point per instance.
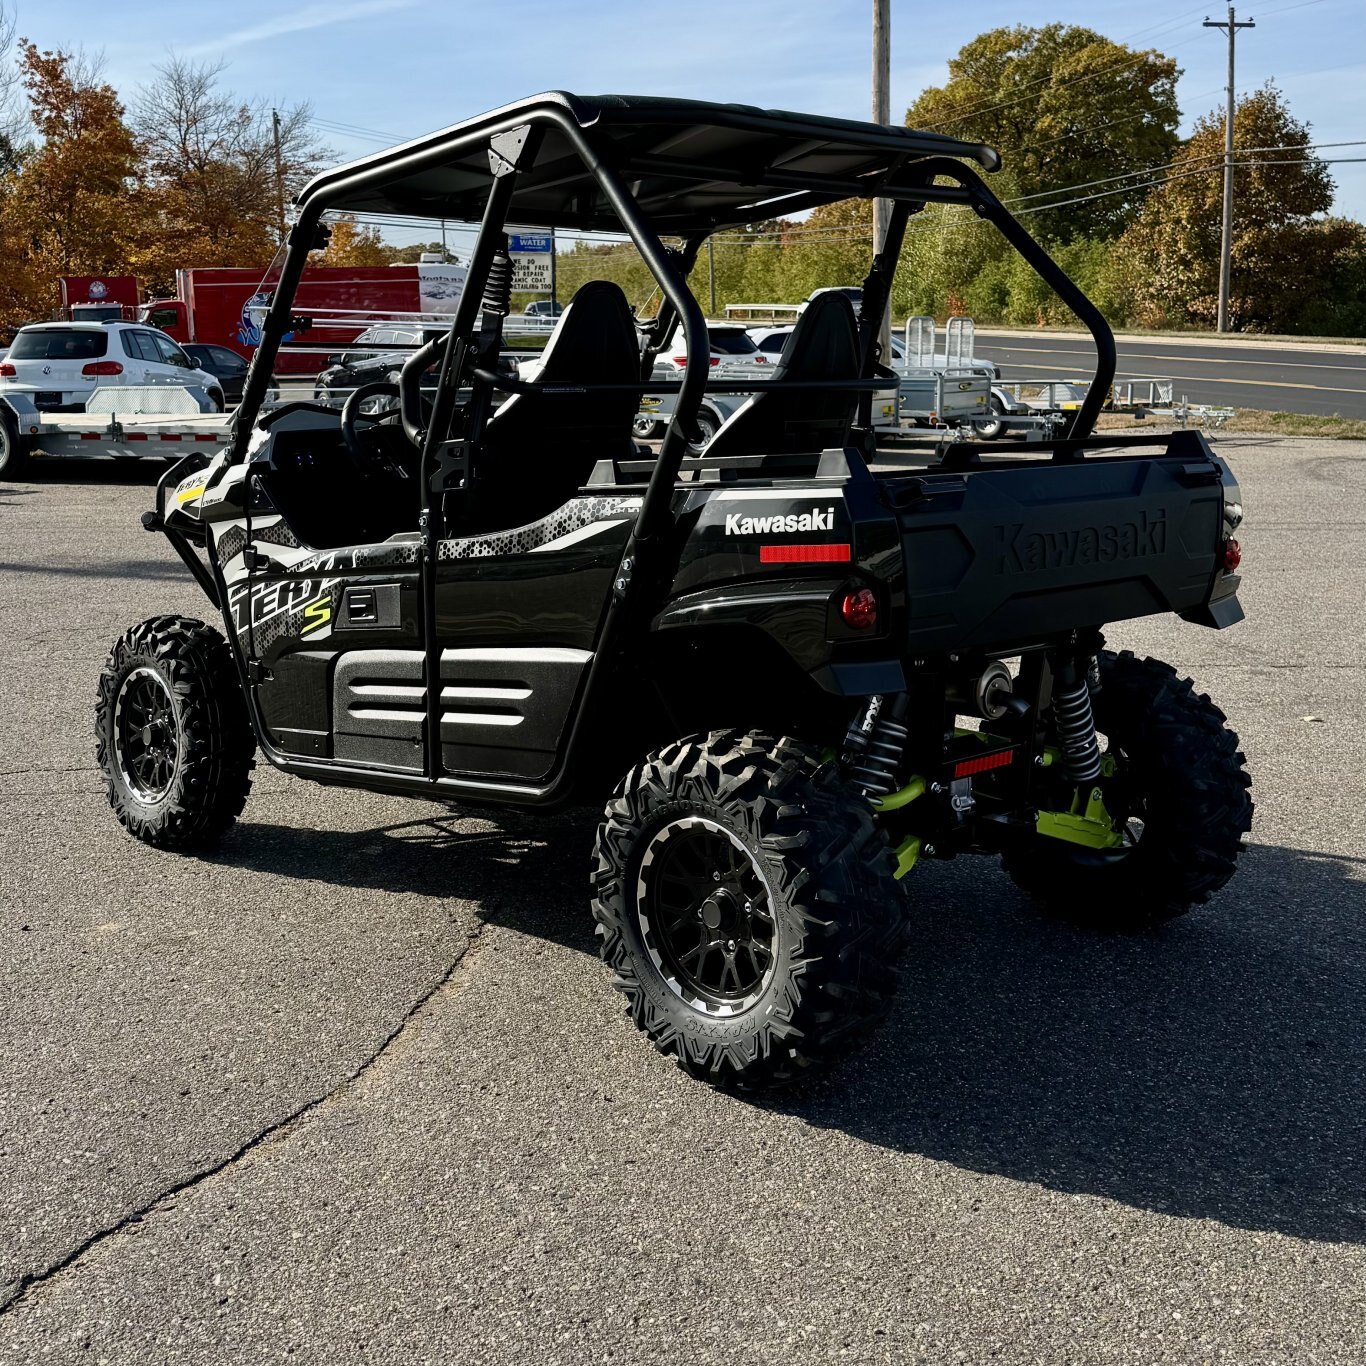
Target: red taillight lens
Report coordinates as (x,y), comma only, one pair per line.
(715,360)
(7,369)
(1233,555)
(679,361)
(859,609)
(102,367)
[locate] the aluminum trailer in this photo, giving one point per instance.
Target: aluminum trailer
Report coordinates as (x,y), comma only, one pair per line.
(114,424)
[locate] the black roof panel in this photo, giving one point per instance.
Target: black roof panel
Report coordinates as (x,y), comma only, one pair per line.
(692,165)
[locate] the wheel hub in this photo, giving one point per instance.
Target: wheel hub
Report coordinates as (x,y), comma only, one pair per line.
(146,737)
(704,910)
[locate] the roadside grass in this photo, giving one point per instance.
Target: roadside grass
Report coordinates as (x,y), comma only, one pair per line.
(1254,420)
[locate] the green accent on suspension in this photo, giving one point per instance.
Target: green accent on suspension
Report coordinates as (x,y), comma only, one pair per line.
(1109,765)
(903,796)
(907,852)
(1091,828)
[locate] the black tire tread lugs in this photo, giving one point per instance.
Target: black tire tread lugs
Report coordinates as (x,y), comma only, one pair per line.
(213,777)
(1188,760)
(831,868)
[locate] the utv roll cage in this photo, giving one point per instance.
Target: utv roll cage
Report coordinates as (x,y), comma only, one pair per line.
(652,167)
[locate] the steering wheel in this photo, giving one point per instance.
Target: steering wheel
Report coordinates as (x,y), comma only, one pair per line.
(364,460)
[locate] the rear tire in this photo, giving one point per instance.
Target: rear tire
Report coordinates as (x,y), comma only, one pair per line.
(1181,772)
(13,455)
(784,961)
(172,734)
(707,427)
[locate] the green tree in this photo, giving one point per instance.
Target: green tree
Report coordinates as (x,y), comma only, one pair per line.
(1282,254)
(1063,105)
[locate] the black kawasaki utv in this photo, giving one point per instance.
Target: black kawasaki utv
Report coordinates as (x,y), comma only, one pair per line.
(788,678)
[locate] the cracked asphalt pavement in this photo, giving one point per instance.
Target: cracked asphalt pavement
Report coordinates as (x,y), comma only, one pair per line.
(355,1087)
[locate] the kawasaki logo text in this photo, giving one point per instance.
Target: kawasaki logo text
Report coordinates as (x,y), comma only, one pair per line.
(1022,551)
(737,525)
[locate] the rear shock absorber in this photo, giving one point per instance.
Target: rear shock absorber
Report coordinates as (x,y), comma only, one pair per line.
(876,744)
(498,287)
(1076,724)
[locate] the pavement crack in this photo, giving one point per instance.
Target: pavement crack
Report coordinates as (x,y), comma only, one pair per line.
(13,1292)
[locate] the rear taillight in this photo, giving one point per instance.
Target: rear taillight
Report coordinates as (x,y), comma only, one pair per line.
(859,609)
(1233,554)
(7,369)
(102,367)
(679,361)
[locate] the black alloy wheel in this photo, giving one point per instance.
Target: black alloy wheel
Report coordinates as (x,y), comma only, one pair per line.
(147,735)
(705,915)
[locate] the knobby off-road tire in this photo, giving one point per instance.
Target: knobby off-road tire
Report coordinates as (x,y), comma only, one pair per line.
(1182,775)
(172,734)
(774,828)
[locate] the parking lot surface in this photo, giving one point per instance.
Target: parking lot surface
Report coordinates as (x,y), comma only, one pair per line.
(355,1088)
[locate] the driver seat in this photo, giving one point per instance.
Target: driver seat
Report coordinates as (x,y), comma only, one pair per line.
(795,421)
(539,449)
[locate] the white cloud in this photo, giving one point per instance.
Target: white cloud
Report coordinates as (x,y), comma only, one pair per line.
(299,21)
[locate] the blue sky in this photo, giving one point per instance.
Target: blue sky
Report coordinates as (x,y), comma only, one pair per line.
(401,67)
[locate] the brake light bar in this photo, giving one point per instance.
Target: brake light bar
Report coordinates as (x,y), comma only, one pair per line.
(836,552)
(983,763)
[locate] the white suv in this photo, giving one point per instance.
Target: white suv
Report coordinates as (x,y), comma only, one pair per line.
(64,363)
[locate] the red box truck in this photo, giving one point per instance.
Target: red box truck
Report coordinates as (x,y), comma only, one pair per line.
(95,298)
(225,306)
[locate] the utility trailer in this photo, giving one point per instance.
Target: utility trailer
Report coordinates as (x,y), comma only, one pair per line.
(120,422)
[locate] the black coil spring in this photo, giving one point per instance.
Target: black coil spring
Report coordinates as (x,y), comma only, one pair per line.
(875,771)
(498,288)
(1077,732)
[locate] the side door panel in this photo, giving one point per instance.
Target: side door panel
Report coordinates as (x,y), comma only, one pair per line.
(518,614)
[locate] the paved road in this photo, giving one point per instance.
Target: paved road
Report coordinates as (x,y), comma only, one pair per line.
(1289,379)
(355,1087)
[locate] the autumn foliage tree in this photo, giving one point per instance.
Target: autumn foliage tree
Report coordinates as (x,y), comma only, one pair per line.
(67,207)
(355,245)
(208,171)
(1282,252)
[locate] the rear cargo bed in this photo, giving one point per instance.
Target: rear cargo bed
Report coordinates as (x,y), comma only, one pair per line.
(1013,551)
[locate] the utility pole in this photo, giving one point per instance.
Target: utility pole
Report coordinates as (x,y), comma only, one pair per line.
(882,113)
(279,176)
(711,274)
(1231,27)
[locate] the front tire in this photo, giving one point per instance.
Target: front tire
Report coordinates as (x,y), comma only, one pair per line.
(172,734)
(1180,785)
(745,902)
